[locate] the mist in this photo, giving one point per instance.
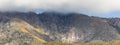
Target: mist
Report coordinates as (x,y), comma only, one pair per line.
(94,6)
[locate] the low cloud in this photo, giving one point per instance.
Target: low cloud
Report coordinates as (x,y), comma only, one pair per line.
(96,6)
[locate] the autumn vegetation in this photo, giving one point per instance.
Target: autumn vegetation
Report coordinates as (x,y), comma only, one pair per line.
(82,43)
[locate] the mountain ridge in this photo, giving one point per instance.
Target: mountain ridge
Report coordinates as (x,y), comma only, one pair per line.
(71,27)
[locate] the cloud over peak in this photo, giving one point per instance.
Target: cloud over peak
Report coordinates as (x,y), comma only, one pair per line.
(96,6)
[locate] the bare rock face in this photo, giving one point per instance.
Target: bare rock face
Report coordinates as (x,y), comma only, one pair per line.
(16,31)
(78,27)
(24,28)
(10,33)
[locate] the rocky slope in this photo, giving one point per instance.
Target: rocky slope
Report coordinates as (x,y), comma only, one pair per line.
(26,28)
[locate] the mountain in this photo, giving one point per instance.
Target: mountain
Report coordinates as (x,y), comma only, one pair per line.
(17,28)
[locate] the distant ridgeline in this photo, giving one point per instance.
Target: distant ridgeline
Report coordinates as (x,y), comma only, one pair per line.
(18,28)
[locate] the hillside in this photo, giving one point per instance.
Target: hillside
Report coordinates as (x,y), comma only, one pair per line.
(18,28)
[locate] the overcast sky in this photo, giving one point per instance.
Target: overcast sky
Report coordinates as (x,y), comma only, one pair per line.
(102,8)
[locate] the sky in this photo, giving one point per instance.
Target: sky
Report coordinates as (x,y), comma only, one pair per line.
(115,14)
(101,8)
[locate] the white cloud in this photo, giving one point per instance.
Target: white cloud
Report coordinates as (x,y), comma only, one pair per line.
(96,6)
